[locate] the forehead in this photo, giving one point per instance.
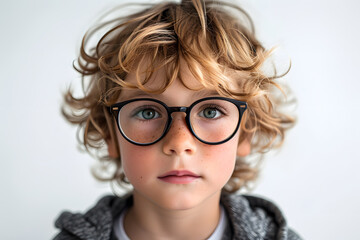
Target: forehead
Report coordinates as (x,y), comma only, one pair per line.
(146,75)
(152,77)
(175,90)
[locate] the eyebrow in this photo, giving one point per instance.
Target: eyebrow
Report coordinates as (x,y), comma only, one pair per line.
(205,93)
(137,92)
(130,93)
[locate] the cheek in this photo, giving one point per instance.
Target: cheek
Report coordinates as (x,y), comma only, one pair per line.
(221,159)
(135,161)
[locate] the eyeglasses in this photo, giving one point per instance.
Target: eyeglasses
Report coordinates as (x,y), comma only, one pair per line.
(145,121)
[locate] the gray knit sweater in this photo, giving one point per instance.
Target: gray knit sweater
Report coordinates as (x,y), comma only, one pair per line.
(249,217)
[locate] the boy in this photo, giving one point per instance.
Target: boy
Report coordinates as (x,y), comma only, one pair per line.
(177,94)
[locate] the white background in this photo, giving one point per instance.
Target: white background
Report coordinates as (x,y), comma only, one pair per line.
(314,178)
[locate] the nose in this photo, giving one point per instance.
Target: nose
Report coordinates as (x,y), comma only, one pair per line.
(179,140)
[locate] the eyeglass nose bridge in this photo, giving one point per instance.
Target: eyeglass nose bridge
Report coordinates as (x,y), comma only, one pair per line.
(178,109)
(185,110)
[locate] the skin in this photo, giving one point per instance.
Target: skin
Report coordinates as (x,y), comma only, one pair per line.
(165,210)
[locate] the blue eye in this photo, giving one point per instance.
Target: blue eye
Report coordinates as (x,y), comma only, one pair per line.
(147,114)
(210,112)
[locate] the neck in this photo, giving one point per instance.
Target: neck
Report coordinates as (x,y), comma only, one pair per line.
(146,220)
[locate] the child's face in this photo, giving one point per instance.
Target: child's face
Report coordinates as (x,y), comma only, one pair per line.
(179,150)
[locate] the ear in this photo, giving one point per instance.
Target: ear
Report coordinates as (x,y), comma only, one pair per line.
(112,148)
(244,148)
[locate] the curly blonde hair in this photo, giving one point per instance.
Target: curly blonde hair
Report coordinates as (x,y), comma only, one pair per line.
(212,42)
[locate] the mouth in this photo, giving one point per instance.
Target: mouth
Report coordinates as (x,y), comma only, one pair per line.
(179,177)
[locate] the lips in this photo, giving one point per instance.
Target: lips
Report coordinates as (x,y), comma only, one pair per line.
(179,177)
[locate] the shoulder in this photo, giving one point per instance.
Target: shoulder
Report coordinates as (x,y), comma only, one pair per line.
(96,223)
(257,217)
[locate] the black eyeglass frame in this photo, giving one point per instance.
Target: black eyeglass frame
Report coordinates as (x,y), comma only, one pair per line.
(115,110)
